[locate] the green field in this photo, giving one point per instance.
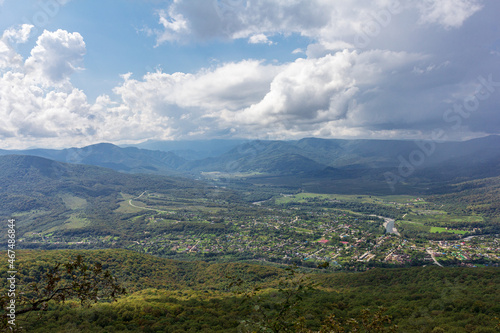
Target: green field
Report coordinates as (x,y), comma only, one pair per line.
(439,229)
(73,202)
(437,217)
(125,206)
(373,199)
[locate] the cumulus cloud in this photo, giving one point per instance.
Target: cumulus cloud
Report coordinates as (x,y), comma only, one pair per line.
(345,93)
(33,103)
(401,76)
(8,56)
(305,96)
(389,89)
(231,85)
(19,35)
(28,110)
(182,103)
(305,90)
(309,93)
(55,57)
(372,93)
(325,21)
(38,102)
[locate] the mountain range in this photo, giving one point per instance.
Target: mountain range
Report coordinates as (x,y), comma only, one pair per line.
(309,157)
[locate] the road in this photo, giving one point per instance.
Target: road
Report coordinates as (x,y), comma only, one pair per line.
(434,258)
(147,208)
(193,247)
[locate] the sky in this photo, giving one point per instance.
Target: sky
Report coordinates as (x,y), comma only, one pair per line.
(79,72)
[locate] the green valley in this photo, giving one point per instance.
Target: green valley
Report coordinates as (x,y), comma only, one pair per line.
(215,253)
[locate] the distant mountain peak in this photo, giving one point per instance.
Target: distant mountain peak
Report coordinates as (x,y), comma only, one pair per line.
(272,156)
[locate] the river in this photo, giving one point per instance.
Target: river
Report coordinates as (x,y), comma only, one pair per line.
(389,226)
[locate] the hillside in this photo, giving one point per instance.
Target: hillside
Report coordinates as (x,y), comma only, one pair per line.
(270,157)
(192,149)
(478,197)
(310,157)
(49,194)
(130,159)
(173,296)
(41,179)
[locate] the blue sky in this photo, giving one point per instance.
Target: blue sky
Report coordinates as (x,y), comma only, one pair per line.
(77,72)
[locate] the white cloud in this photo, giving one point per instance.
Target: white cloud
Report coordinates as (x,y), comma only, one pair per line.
(309,94)
(448,13)
(28,110)
(231,85)
(38,101)
(303,92)
(386,90)
(251,97)
(19,35)
(33,103)
(333,22)
(174,25)
(8,56)
(55,57)
(180,103)
(259,39)
(342,94)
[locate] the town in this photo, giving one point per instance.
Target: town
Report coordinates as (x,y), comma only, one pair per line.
(311,230)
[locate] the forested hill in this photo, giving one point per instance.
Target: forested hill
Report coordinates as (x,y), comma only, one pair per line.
(477,197)
(307,156)
(130,159)
(30,182)
(173,296)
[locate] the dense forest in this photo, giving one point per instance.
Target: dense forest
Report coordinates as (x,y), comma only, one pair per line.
(174,296)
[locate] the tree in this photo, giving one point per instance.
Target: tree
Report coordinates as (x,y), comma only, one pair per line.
(368,322)
(281,312)
(72,280)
